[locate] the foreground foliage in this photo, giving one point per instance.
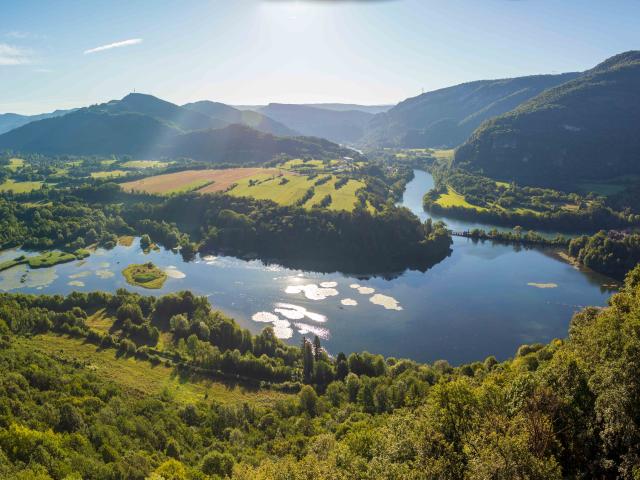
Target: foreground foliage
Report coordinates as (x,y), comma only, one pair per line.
(568,409)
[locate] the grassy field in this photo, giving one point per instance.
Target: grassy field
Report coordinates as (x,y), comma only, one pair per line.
(100,321)
(215,180)
(12,263)
(15,164)
(50,259)
(145,275)
(141,377)
(19,187)
(259,183)
(446,155)
(267,187)
(109,174)
(190,187)
(454,199)
(126,240)
(142,164)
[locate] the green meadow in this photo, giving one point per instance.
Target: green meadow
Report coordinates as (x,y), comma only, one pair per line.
(294,187)
(19,187)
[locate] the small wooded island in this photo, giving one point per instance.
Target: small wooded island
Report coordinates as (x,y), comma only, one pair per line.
(145,275)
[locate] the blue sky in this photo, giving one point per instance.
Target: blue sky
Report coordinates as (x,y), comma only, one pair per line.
(260,51)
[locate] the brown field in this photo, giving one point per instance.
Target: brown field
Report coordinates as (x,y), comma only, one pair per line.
(209,180)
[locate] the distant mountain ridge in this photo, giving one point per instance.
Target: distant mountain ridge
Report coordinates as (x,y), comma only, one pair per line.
(9,121)
(167,112)
(146,126)
(586,128)
(345,126)
(335,106)
(446,117)
(244,117)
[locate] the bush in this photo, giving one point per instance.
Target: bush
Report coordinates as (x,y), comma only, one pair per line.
(216,463)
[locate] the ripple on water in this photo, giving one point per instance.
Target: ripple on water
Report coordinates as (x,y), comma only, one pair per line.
(311,291)
(173,272)
(265,317)
(305,329)
(104,274)
(296,312)
(21,277)
(290,314)
(386,301)
(543,285)
(282,329)
(84,273)
(366,290)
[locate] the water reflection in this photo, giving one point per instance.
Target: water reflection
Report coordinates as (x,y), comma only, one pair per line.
(473,304)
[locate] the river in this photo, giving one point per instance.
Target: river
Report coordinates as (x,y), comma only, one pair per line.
(485,299)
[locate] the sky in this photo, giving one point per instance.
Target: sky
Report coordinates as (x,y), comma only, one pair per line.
(72,53)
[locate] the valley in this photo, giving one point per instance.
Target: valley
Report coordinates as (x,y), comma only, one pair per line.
(479,274)
(332,240)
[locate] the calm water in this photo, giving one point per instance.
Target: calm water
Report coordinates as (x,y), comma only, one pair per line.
(484,299)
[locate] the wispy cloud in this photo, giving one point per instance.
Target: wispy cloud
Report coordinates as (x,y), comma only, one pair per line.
(10,55)
(17,35)
(123,43)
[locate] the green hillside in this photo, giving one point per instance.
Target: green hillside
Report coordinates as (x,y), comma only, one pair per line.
(167,112)
(344,126)
(446,117)
(245,117)
(588,128)
(146,127)
(241,145)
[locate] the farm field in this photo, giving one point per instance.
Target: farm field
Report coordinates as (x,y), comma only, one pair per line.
(15,164)
(143,378)
(271,188)
(454,199)
(444,155)
(109,174)
(212,180)
(19,187)
(142,164)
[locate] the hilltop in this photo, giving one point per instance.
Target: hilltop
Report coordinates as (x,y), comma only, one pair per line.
(244,117)
(146,126)
(587,128)
(343,126)
(446,117)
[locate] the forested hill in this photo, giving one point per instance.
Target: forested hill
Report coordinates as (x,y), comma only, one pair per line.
(339,126)
(146,126)
(244,117)
(9,121)
(586,128)
(167,112)
(446,117)
(240,144)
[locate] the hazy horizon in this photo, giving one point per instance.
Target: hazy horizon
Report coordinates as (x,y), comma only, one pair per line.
(252,52)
